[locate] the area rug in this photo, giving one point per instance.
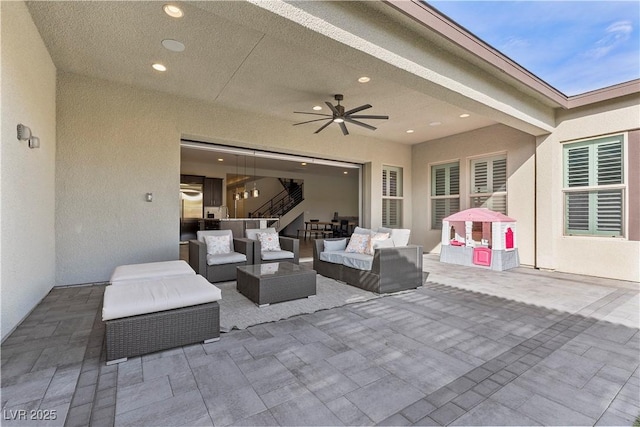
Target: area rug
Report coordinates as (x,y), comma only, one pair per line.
(238,312)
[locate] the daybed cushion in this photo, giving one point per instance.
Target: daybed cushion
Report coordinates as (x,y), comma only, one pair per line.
(271,255)
(152,296)
(125,274)
(230,258)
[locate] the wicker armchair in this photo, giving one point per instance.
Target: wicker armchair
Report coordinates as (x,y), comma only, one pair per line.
(290,248)
(219,268)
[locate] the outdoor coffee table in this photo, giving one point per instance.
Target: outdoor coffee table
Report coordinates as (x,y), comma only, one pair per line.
(269,283)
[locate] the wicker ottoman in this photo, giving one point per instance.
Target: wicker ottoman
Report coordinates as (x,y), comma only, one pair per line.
(152,315)
(269,283)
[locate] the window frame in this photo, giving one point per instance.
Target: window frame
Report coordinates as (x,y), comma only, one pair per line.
(593,189)
(433,197)
(490,159)
(388,200)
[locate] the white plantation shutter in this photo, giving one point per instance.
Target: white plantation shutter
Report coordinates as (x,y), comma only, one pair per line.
(594,187)
(489,183)
(445,192)
(391,196)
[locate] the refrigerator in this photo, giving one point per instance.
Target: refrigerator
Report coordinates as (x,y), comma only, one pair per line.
(191,210)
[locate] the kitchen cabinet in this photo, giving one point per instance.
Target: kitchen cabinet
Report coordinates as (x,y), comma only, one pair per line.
(212,193)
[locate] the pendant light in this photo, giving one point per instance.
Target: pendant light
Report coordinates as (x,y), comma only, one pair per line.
(236,194)
(255,192)
(245,193)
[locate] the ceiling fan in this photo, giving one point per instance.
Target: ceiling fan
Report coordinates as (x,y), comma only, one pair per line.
(340,116)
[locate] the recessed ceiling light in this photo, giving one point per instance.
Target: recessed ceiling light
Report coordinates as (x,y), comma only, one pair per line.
(221,160)
(173,45)
(364,79)
(410,131)
(345,172)
(464,116)
(317,108)
(435,123)
(304,163)
(173,11)
(159,67)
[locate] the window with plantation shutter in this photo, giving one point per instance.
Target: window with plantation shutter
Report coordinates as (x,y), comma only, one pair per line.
(391,196)
(594,187)
(445,192)
(489,183)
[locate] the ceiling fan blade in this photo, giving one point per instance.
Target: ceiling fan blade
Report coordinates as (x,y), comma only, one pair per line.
(324,126)
(333,109)
(315,114)
(359,116)
(344,128)
(355,110)
(309,121)
(355,122)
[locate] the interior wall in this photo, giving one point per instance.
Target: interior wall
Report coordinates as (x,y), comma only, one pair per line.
(592,256)
(520,150)
(320,194)
(117,142)
(27,176)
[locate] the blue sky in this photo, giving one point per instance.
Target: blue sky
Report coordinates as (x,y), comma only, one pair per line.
(575,46)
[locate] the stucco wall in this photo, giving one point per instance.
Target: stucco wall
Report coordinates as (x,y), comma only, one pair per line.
(27,196)
(116,143)
(499,139)
(617,258)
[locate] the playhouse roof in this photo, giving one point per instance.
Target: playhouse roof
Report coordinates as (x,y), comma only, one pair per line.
(479,215)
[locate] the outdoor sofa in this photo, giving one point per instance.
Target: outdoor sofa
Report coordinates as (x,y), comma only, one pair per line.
(391,266)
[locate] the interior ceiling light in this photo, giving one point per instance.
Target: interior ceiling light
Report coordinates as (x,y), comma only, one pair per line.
(317,108)
(173,45)
(173,11)
(464,116)
(159,67)
(221,160)
(345,172)
(435,123)
(304,163)
(364,79)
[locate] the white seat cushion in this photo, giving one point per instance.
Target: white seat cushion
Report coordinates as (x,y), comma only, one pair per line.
(358,261)
(230,258)
(334,257)
(124,274)
(152,296)
(272,255)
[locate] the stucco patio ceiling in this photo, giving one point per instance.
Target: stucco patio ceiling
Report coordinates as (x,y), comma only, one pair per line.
(245,57)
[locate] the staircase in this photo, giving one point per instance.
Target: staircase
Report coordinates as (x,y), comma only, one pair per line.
(283,202)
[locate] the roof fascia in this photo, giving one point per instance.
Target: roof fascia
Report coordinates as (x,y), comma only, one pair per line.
(442,25)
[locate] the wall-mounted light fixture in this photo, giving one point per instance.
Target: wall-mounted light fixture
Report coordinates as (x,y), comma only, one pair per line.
(24,134)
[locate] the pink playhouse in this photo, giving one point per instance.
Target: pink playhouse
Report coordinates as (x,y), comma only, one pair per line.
(480,237)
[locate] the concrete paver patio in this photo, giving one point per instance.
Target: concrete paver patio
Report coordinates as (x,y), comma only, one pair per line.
(471,347)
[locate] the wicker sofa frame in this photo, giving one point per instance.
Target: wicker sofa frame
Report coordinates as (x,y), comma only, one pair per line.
(220,272)
(393,269)
(147,333)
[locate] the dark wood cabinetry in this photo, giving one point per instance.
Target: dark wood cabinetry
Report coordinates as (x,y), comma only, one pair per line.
(212,192)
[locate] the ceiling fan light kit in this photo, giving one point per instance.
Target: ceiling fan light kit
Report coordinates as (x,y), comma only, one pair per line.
(340,116)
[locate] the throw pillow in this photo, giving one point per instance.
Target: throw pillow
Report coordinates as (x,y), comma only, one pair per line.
(269,242)
(217,245)
(358,243)
(335,245)
(375,238)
